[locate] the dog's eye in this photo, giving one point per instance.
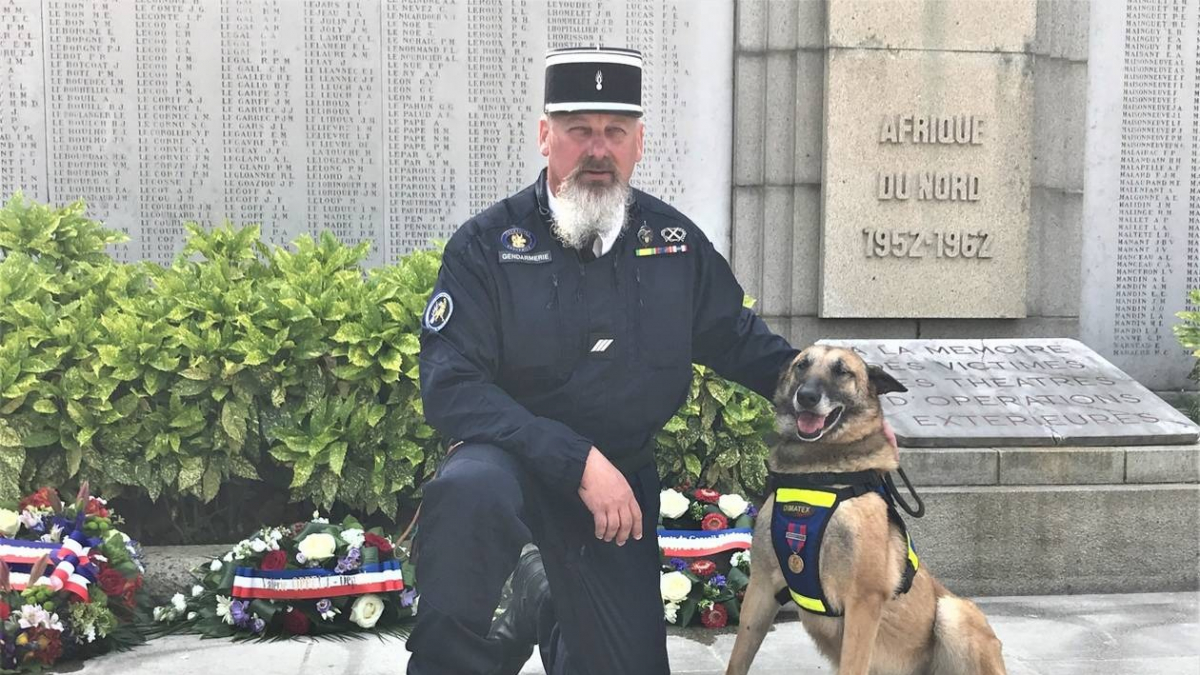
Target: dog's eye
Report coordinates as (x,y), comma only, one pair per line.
(803,364)
(840,369)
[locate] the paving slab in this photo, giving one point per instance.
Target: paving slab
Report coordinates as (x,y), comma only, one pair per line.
(1121,634)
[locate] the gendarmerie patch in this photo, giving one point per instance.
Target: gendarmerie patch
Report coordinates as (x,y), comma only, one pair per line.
(526,258)
(518,240)
(438,312)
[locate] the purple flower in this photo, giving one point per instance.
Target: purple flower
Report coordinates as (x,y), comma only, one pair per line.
(237,610)
(324,605)
(259,625)
(752,511)
(717,581)
(407,597)
(349,562)
(679,564)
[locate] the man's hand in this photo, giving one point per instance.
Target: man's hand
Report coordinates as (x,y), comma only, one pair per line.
(890,435)
(606,494)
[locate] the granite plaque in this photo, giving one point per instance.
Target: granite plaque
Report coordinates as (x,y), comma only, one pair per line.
(1141,239)
(1017,392)
(385,121)
(926,183)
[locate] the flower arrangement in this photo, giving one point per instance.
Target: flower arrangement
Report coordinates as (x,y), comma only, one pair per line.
(70,582)
(704,540)
(312,578)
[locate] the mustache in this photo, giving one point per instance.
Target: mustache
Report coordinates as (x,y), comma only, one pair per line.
(594,164)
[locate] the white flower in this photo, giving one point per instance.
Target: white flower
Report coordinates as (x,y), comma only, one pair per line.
(732,505)
(215,566)
(318,519)
(671,612)
(179,602)
(318,546)
(353,536)
(366,610)
(10,522)
(191,616)
(30,517)
(197,590)
(674,586)
(228,557)
(54,536)
(223,609)
(740,558)
(258,545)
(32,616)
(90,634)
(672,504)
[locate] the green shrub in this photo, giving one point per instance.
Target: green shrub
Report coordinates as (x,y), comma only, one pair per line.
(1188,333)
(242,359)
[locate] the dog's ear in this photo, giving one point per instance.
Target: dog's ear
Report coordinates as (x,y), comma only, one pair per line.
(882,381)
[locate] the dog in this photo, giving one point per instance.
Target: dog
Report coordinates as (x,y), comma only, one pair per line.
(828,411)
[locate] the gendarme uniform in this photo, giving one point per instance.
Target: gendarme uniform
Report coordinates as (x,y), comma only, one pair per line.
(532,353)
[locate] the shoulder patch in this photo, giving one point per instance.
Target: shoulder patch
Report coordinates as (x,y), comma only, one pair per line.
(518,240)
(437,314)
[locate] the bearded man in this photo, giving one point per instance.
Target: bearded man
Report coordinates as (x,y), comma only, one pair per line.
(558,340)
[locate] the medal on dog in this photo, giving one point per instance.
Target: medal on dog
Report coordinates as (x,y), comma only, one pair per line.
(795,563)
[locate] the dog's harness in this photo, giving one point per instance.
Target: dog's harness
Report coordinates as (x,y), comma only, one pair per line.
(804,505)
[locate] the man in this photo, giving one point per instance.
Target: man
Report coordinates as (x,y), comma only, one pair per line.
(559,339)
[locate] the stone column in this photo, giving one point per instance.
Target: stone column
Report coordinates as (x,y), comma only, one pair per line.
(784,113)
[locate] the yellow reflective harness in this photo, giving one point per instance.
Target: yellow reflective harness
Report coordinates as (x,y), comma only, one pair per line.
(804,505)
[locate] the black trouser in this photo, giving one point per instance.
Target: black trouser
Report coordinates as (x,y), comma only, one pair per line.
(476,516)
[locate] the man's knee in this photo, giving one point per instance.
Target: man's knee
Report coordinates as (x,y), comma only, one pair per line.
(481,478)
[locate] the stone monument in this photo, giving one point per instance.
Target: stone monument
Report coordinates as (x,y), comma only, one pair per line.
(379,120)
(927,160)
(1141,248)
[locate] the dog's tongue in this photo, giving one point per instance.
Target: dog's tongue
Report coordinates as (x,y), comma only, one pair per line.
(809,423)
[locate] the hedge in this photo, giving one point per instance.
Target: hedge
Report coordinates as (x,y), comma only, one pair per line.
(172,381)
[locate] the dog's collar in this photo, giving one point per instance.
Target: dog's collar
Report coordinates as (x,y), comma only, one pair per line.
(869,478)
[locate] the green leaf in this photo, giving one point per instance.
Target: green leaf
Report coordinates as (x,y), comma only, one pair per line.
(191,471)
(337,457)
(74,458)
(45,406)
(301,472)
(351,333)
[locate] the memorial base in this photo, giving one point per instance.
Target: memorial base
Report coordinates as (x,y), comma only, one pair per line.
(1058,520)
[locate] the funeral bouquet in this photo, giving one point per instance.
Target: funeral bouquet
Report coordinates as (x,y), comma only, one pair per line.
(70,582)
(704,538)
(311,578)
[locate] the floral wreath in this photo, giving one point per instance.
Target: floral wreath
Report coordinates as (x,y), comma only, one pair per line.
(312,578)
(704,541)
(70,582)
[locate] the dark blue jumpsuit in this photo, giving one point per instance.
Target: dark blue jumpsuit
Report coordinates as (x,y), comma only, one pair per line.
(538,356)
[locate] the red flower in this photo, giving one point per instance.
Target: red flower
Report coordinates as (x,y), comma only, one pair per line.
(703,568)
(111,581)
(44,498)
(5,610)
(275,560)
(708,495)
(378,542)
(296,622)
(130,594)
(714,617)
(714,521)
(95,508)
(45,644)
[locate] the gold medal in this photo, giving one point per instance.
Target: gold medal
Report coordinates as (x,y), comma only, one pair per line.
(795,563)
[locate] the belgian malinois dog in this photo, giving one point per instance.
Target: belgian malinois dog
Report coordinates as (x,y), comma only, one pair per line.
(828,412)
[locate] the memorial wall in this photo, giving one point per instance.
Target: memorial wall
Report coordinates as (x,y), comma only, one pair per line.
(1141,249)
(388,121)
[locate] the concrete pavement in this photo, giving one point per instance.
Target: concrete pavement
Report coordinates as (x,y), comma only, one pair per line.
(1132,634)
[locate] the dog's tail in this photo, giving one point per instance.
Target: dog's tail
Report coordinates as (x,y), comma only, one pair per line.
(964,643)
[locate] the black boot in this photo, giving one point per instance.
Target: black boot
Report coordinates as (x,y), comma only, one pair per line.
(517,627)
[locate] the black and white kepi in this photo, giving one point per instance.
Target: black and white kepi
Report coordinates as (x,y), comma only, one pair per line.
(594,79)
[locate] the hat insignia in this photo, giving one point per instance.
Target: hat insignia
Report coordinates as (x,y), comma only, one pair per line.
(599,80)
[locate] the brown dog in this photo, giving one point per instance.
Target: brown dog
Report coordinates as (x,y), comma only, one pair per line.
(827,407)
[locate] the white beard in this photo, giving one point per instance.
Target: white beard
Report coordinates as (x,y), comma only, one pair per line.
(583,213)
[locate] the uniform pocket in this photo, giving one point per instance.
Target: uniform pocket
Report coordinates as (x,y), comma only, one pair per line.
(533,336)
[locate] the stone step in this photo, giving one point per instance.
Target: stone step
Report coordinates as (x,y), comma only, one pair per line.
(1061,539)
(1053,465)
